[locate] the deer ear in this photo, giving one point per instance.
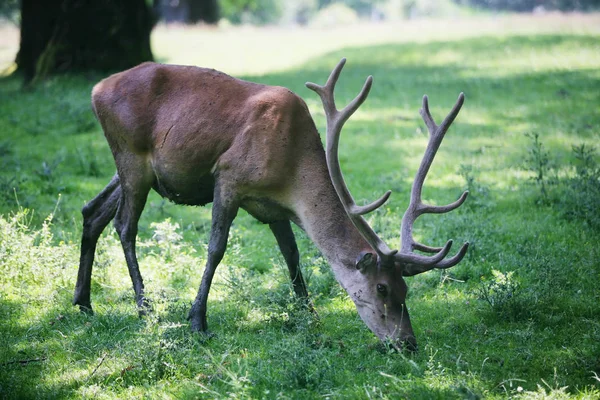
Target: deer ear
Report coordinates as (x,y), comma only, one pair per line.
(365,260)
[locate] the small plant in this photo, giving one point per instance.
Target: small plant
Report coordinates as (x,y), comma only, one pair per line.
(576,196)
(503,294)
(166,237)
(478,193)
(9,187)
(47,169)
(538,162)
(5,149)
(88,163)
(580,198)
(50,180)
(304,367)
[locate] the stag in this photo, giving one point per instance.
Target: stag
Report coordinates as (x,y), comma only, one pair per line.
(197,136)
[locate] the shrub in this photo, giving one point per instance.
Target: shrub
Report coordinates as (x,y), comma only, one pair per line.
(502,292)
(576,194)
(579,198)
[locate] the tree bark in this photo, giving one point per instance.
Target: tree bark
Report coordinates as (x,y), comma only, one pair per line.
(81,35)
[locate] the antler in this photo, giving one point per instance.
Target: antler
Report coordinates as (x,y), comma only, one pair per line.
(413,263)
(335,122)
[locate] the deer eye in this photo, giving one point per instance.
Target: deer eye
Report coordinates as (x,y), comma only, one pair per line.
(382,289)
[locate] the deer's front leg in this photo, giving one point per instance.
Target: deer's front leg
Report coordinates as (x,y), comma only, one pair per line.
(223,213)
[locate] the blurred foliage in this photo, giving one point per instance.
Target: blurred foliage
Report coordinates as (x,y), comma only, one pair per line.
(362,7)
(426,8)
(327,12)
(531,5)
(331,12)
(258,12)
(335,14)
(302,12)
(9,9)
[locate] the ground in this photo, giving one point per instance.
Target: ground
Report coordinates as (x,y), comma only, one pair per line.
(517,318)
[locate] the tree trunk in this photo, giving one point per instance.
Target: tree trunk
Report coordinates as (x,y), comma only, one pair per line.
(80,35)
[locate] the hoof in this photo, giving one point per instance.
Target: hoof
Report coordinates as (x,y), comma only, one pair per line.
(406,346)
(204,336)
(144,308)
(409,344)
(86,309)
(199,325)
(197,318)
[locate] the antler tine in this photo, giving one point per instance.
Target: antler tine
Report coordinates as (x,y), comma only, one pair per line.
(425,248)
(412,269)
(328,101)
(415,263)
(447,208)
(452,261)
(335,121)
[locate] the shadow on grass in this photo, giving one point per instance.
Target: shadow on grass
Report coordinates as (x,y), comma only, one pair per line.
(58,350)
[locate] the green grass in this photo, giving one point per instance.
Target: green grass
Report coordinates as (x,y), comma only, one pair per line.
(517,318)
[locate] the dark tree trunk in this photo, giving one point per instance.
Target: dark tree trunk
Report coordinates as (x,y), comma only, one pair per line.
(79,35)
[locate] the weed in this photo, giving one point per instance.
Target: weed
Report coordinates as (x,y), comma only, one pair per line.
(9,187)
(504,295)
(304,367)
(580,195)
(232,376)
(5,149)
(48,178)
(88,162)
(167,238)
(80,115)
(576,195)
(479,195)
(538,162)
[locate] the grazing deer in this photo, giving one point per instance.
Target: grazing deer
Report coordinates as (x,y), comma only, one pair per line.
(196,136)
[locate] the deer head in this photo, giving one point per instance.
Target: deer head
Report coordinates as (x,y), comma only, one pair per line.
(377,285)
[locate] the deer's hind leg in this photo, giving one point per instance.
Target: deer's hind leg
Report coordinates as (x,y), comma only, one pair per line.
(136,177)
(96,216)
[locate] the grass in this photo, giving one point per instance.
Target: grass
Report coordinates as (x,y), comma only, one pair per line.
(517,318)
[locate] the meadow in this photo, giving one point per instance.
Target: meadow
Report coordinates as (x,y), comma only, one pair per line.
(518,318)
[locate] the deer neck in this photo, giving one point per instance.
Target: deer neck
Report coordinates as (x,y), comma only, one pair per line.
(322,216)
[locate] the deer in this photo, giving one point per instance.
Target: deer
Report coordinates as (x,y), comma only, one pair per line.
(197,136)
